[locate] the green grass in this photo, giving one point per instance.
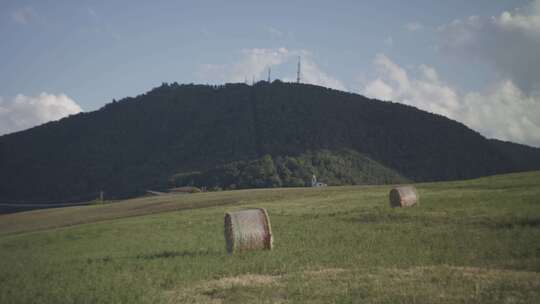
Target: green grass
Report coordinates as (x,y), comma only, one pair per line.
(468,242)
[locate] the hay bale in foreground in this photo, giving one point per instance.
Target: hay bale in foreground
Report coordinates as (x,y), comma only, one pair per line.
(247,230)
(403,196)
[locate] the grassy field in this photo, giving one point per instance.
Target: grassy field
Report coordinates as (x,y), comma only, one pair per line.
(468,242)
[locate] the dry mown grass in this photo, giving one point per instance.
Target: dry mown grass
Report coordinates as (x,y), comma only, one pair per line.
(205,292)
(421,284)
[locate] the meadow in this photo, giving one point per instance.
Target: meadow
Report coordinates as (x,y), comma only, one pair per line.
(475,241)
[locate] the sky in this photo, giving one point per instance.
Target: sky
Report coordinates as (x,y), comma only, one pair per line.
(477,62)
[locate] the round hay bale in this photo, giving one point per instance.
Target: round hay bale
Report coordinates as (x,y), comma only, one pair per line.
(248,230)
(403,196)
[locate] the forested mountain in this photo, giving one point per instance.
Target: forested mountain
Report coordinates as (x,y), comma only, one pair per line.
(522,157)
(139,143)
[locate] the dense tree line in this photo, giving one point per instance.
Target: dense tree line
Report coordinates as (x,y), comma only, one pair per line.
(138,143)
(344,167)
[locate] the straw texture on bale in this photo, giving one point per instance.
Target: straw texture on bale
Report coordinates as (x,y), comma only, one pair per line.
(403,196)
(247,230)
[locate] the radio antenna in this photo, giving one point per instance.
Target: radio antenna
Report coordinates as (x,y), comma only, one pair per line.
(298,71)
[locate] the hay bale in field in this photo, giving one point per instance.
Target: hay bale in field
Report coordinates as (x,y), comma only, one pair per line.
(403,196)
(248,230)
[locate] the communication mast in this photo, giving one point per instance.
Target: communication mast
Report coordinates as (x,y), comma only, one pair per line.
(269,70)
(298,71)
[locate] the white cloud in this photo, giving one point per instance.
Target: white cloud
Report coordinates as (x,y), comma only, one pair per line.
(254,63)
(426,92)
(413,26)
(23,112)
(24,15)
(503,111)
(379,89)
(311,73)
(510,43)
(528,22)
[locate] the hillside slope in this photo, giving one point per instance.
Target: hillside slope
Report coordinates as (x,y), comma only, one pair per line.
(523,158)
(138,143)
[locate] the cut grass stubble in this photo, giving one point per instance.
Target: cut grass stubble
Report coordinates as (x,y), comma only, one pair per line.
(469,242)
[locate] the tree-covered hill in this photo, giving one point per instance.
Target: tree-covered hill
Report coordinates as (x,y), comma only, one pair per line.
(139,143)
(343,167)
(523,158)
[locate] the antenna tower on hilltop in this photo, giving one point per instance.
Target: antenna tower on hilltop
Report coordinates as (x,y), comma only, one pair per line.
(298,71)
(269,70)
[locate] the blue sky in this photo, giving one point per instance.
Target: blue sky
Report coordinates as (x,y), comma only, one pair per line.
(473,61)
